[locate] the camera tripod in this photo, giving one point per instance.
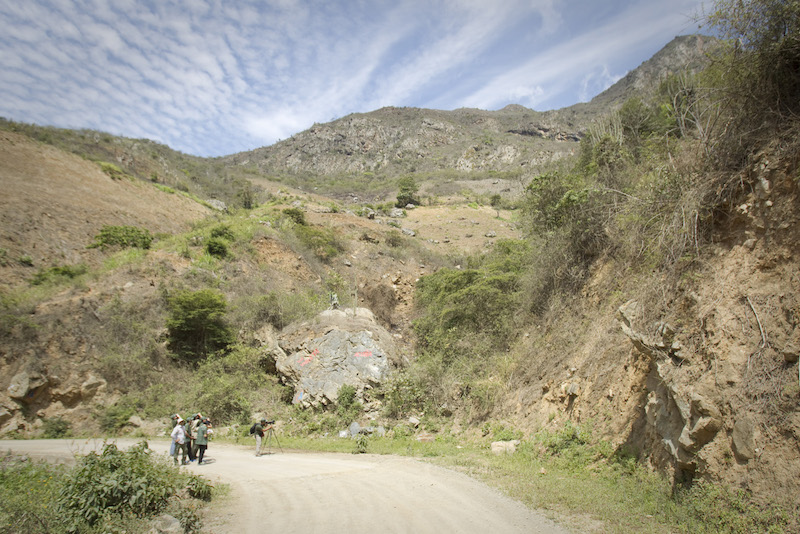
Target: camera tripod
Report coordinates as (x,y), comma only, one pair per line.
(269,437)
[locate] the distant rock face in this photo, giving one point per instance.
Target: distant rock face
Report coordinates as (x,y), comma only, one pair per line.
(338,347)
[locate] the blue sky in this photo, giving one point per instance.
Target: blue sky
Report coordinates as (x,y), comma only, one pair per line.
(214,77)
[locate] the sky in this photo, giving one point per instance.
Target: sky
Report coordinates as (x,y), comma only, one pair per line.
(216,77)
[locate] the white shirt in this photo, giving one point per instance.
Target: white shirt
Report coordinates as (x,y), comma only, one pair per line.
(178,434)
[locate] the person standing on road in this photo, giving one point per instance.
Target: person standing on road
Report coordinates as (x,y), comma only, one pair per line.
(191,430)
(178,436)
(201,439)
(259,434)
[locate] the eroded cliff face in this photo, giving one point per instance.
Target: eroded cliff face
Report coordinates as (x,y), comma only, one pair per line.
(708,384)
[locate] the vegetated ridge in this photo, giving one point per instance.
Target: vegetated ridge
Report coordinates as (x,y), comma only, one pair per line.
(665,325)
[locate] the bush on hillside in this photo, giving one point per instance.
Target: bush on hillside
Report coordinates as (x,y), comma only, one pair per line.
(757,77)
(348,408)
(296,215)
(323,242)
(407,192)
(196,325)
(482,300)
(122,237)
(223,231)
(217,247)
(53,275)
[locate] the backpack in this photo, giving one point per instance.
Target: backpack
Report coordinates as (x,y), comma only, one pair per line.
(253,429)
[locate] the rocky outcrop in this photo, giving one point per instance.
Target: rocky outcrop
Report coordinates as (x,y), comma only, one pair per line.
(27,385)
(339,347)
(678,416)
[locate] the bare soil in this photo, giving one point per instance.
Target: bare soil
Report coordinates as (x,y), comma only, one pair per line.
(54,204)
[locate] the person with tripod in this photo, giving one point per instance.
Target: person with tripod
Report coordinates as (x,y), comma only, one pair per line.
(259,434)
(262,428)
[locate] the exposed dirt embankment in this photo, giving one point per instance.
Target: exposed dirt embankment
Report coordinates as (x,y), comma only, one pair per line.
(54,204)
(697,375)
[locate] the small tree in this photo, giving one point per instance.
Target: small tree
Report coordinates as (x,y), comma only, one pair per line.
(496,200)
(407,191)
(197,325)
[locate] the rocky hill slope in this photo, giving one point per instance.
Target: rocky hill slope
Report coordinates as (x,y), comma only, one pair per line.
(397,141)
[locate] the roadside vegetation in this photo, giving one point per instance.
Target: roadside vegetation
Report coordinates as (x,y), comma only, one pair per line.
(110,491)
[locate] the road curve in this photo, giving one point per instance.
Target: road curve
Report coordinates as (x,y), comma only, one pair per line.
(310,493)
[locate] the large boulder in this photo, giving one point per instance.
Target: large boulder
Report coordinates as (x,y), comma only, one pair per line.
(338,347)
(26,385)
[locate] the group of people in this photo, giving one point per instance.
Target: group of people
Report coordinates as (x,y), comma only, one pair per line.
(190,438)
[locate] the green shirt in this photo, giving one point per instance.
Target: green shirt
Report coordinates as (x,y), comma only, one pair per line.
(202,435)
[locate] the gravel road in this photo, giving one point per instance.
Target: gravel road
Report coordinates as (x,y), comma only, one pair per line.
(291,492)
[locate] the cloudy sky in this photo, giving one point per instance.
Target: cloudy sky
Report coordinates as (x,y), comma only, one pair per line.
(214,77)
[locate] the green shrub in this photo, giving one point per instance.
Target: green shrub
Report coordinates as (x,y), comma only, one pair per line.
(123,237)
(407,192)
(361,444)
(296,215)
(199,488)
(196,325)
(28,491)
(223,397)
(323,242)
(26,260)
(394,239)
(217,248)
(223,231)
(55,428)
(115,417)
(348,408)
(113,171)
(58,273)
(117,483)
(403,395)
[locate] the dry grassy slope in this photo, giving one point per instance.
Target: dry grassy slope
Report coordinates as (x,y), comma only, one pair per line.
(736,318)
(54,203)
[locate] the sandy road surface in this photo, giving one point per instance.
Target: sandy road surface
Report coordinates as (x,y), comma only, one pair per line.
(322,492)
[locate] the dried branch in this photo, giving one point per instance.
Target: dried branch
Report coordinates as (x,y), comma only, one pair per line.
(760,326)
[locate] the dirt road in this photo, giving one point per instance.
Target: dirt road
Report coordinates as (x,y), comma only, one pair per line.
(308,493)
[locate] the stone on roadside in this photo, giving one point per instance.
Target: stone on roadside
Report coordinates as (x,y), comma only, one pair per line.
(505,447)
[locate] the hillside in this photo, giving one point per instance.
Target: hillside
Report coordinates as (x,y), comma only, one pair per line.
(599,279)
(464,143)
(55,204)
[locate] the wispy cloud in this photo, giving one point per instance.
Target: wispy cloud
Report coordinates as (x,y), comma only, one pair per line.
(579,68)
(212,78)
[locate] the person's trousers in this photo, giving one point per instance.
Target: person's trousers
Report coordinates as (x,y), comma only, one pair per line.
(180,448)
